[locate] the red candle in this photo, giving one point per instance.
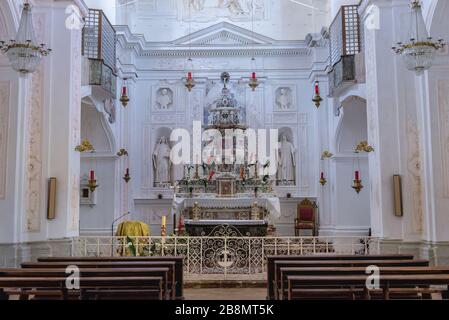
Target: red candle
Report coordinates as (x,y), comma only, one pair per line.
(127,171)
(189,75)
(253,75)
(92,175)
(124,91)
(322,175)
(357,175)
(317,88)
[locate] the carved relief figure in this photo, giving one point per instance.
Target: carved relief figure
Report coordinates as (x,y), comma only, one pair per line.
(161,162)
(284,98)
(286,160)
(164,98)
(207,9)
(197,5)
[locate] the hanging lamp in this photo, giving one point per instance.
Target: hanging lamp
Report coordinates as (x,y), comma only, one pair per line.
(24,53)
(419,49)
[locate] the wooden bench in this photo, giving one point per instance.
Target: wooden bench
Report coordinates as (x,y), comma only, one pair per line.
(321,257)
(341,263)
(179,265)
(166,274)
(290,271)
(388,283)
(110,285)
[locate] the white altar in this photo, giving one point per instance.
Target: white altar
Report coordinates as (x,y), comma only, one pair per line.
(268,202)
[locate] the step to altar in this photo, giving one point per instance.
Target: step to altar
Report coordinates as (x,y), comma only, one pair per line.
(239,294)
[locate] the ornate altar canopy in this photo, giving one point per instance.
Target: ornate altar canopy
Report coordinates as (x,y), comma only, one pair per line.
(223,192)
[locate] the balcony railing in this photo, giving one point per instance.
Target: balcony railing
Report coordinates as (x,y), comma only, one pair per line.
(345,45)
(99,49)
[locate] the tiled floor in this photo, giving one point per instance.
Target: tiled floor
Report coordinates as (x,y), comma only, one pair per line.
(225,294)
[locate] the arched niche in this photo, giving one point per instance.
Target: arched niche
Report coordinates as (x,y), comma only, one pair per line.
(352,127)
(159,133)
(96,129)
(288,132)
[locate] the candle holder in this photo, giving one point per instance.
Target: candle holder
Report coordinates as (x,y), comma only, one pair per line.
(197,173)
(124,99)
(317,97)
(357,186)
(253,83)
(92,185)
(323,181)
(317,100)
(127,177)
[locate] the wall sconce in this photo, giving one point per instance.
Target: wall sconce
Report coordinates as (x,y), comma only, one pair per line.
(84,146)
(363,146)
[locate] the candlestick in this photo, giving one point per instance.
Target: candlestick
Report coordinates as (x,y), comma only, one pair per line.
(164,226)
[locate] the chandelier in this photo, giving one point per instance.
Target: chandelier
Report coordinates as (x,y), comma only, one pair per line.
(24,53)
(420,49)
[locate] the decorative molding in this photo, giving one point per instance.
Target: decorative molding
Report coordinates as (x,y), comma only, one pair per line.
(414,176)
(34,174)
(210,42)
(75,117)
(5,87)
(34,184)
(443,105)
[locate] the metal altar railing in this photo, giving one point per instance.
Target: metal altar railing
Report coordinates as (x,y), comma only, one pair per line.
(222,255)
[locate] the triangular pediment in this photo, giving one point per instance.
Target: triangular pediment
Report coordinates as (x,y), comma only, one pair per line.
(224,34)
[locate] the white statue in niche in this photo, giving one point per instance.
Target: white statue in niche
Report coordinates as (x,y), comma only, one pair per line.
(286,160)
(284,99)
(164,98)
(161,162)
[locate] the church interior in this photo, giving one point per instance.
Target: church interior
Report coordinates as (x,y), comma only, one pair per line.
(224,149)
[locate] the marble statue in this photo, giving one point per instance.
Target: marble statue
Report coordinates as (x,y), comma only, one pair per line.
(283,99)
(164,98)
(286,160)
(161,162)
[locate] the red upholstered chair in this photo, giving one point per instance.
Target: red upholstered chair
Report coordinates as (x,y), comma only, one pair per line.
(306,219)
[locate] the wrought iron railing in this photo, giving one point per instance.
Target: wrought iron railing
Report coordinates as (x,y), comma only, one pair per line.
(223,257)
(99,47)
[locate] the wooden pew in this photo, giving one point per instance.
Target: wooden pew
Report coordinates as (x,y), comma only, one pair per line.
(151,285)
(340,263)
(328,271)
(106,264)
(179,265)
(387,283)
(271,259)
(166,274)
